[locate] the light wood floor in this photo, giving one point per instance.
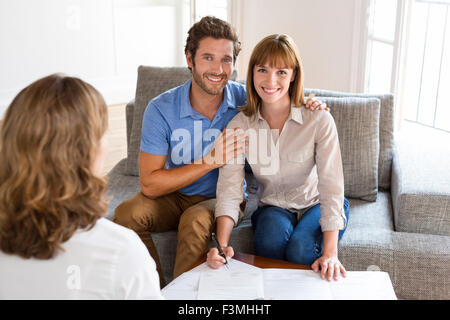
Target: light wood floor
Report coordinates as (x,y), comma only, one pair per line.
(116,135)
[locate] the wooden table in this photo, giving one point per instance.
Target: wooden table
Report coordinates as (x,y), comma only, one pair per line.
(260,262)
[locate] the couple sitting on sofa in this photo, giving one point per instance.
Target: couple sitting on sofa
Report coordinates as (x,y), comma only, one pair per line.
(51,190)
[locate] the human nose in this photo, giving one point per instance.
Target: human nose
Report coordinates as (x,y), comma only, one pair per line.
(271,77)
(217,67)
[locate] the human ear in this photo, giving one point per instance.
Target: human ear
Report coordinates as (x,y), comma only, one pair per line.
(189,60)
(294,72)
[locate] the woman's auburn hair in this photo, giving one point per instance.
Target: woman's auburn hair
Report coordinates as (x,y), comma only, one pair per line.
(276,50)
(48,144)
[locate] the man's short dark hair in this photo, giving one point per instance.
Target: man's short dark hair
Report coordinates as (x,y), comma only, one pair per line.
(211,27)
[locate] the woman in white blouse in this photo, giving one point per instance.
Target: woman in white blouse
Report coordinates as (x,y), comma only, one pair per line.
(54,241)
(296,157)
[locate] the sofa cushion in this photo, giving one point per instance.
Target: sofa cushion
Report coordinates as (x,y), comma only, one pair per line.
(386,129)
(368,243)
(357,122)
(421,185)
(151,82)
(421,266)
(120,187)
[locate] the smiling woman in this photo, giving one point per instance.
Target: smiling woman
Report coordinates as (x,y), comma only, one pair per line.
(302,212)
(281,54)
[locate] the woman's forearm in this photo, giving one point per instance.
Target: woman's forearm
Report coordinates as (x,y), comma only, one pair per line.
(224,226)
(330,242)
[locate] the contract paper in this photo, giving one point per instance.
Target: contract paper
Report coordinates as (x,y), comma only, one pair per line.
(294,284)
(244,281)
(231,285)
(185,286)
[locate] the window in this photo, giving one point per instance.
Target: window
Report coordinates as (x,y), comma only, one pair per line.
(217,8)
(146,28)
(101,41)
(408,50)
(153,33)
(426,97)
(381,44)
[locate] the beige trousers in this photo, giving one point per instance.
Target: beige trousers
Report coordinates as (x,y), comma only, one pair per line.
(192,215)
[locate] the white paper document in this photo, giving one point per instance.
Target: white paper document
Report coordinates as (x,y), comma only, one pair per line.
(294,284)
(185,286)
(231,285)
(244,281)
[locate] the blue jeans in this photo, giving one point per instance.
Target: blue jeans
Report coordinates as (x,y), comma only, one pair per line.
(278,235)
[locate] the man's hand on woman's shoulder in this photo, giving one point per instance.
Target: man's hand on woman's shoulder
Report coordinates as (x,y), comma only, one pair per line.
(314,103)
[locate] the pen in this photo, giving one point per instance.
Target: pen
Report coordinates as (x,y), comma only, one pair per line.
(213,235)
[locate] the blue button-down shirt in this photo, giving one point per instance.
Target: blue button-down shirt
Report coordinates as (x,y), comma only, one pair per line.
(171,127)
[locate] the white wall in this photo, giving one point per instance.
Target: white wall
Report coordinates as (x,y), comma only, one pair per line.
(104,41)
(43,37)
(100,41)
(322,29)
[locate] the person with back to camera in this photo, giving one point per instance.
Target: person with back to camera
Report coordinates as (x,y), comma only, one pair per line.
(54,241)
(302,212)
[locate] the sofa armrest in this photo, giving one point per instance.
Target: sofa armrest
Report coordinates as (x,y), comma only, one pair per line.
(129,111)
(421,189)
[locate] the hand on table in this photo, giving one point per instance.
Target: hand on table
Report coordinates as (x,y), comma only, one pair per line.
(329,267)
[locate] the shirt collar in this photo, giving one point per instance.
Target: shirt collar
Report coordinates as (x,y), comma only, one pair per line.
(295,114)
(185,103)
(228,102)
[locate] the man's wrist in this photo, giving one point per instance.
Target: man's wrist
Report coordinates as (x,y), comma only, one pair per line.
(208,163)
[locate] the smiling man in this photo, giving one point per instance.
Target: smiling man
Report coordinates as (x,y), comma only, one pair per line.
(183,145)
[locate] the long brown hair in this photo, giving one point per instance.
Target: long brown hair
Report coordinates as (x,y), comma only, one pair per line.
(274,49)
(48,143)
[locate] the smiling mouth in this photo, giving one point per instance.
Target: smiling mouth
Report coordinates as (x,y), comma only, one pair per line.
(214,79)
(270,90)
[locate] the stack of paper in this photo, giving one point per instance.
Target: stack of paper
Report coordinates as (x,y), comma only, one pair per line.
(246,282)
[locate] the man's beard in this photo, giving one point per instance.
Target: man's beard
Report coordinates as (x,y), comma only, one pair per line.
(202,83)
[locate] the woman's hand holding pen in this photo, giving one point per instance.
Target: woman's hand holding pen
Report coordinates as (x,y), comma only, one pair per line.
(214,259)
(224,226)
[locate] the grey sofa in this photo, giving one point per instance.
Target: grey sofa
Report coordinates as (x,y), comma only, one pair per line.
(399,218)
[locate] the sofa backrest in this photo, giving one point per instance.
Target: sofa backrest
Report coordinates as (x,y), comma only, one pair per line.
(386,131)
(153,81)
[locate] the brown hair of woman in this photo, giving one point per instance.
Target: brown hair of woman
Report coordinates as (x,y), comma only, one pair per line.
(49,140)
(277,50)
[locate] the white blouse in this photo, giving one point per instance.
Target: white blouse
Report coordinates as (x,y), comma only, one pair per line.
(107,262)
(298,168)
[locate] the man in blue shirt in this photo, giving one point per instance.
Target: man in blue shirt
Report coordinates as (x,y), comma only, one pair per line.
(184,143)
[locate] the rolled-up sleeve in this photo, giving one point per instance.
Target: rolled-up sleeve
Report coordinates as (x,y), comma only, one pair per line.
(330,174)
(230,185)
